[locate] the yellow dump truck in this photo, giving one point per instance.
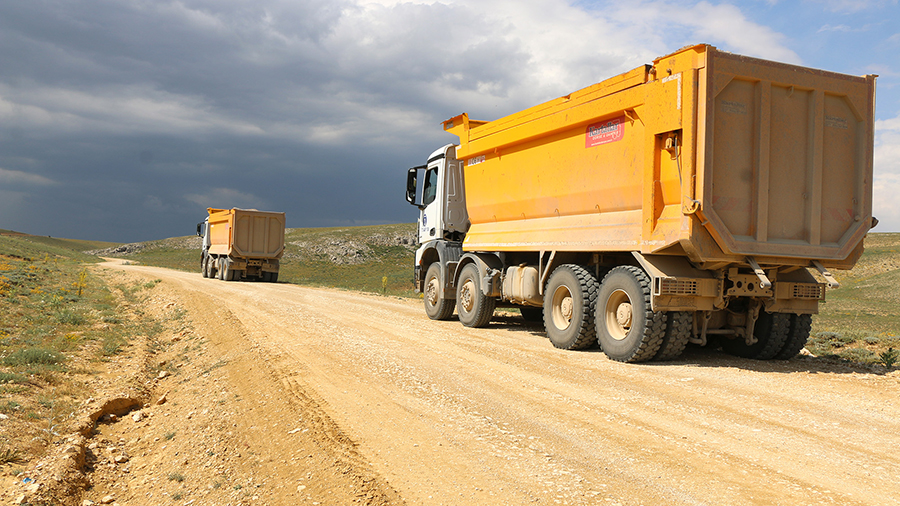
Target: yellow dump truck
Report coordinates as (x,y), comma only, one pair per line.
(679,202)
(241,244)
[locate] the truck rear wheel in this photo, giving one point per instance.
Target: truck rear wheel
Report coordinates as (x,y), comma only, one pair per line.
(221,272)
(798,333)
(475,309)
(771,332)
(569,299)
(678,332)
(211,264)
(437,307)
(628,329)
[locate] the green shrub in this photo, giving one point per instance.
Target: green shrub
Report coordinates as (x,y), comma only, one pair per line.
(32,356)
(835,339)
(861,355)
(10,456)
(10,406)
(9,377)
(69,317)
(112,345)
(889,357)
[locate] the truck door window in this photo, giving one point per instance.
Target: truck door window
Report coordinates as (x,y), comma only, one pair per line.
(430,190)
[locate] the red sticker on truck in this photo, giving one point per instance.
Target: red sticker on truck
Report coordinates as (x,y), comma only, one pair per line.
(604,132)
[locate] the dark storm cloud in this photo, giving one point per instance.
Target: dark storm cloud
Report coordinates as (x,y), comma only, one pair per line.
(123,120)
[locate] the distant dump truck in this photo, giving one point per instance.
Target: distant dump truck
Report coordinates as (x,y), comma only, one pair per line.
(241,243)
(675,203)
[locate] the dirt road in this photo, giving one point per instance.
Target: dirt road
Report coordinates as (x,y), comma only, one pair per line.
(428,412)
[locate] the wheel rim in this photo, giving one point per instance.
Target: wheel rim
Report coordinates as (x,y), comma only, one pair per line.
(563,307)
(619,315)
(467,299)
(431,292)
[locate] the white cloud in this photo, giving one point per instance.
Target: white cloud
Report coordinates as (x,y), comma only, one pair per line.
(226,198)
(851,6)
(726,23)
(886,184)
(15,177)
(367,70)
(835,28)
(119,110)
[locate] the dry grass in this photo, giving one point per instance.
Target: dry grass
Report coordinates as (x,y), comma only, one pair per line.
(57,323)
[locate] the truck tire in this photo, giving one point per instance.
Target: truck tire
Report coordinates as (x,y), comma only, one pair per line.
(474,308)
(628,329)
(211,267)
(437,307)
(203,268)
(771,332)
(227,271)
(569,299)
(679,325)
(221,272)
(798,333)
(532,313)
(273,277)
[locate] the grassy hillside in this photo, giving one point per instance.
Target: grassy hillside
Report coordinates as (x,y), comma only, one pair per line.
(355,258)
(32,247)
(861,319)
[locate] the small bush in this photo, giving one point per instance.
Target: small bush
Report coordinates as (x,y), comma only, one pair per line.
(10,407)
(889,357)
(69,317)
(861,355)
(34,356)
(112,345)
(9,377)
(176,476)
(10,456)
(835,339)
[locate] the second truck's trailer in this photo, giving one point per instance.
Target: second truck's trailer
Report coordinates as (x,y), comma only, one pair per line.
(241,243)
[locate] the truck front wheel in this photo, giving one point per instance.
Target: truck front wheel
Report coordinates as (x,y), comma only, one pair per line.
(437,307)
(203,268)
(475,309)
(569,300)
(628,329)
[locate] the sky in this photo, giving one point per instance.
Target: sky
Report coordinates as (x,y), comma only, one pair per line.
(123,120)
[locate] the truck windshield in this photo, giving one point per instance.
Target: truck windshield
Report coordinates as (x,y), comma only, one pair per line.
(430,190)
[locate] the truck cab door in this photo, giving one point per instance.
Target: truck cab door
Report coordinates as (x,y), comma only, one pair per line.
(430,213)
(421,191)
(438,191)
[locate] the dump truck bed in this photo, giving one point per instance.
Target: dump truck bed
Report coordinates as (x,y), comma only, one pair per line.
(704,153)
(246,233)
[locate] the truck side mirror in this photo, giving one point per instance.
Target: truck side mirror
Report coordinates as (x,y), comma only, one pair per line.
(199,230)
(413,184)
